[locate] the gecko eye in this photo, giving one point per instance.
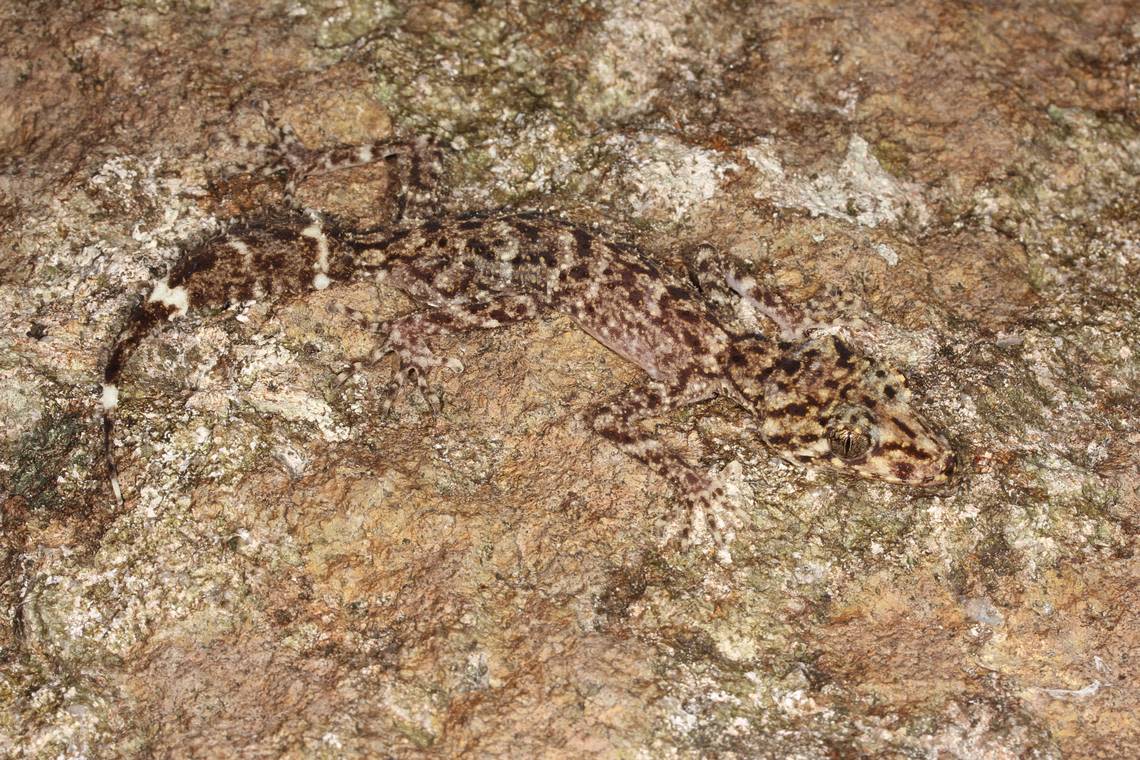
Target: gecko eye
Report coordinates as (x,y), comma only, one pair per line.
(848,442)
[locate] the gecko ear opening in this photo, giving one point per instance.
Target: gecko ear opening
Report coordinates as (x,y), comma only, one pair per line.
(848,442)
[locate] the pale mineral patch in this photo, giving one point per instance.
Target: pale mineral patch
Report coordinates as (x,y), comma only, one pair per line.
(859,190)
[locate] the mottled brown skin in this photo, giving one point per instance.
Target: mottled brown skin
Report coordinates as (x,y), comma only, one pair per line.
(816,401)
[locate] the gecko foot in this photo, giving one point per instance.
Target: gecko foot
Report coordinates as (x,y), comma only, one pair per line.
(416,363)
(404,337)
(710,515)
(413,372)
(415,163)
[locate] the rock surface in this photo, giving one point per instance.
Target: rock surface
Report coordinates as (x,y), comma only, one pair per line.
(294,575)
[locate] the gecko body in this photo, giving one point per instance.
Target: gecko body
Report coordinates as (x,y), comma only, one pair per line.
(814,399)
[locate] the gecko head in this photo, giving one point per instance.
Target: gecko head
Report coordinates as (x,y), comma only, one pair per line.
(824,404)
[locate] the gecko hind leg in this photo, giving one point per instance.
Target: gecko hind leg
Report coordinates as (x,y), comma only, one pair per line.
(407,337)
(414,163)
(709,510)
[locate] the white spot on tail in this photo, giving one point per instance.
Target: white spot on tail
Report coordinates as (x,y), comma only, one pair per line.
(176,298)
(110,397)
(316,232)
(320,281)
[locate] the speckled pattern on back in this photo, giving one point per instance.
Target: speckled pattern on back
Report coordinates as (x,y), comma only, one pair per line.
(816,401)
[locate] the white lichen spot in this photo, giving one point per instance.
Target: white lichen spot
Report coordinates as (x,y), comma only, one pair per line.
(668,178)
(176,298)
(635,42)
(293,461)
(1072,694)
(682,722)
(796,702)
(860,190)
(982,610)
(886,253)
(284,398)
(736,646)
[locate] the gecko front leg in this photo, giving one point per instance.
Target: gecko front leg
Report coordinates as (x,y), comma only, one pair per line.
(724,279)
(708,506)
(407,337)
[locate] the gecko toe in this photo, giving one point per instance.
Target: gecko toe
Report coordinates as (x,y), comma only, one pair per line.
(429,395)
(412,377)
(712,517)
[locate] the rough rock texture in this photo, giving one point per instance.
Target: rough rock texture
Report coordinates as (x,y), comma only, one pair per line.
(293,575)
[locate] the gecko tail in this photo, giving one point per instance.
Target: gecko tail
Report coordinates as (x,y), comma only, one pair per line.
(109,445)
(142,318)
(291,251)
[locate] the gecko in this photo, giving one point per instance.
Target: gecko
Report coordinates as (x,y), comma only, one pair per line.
(813,399)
